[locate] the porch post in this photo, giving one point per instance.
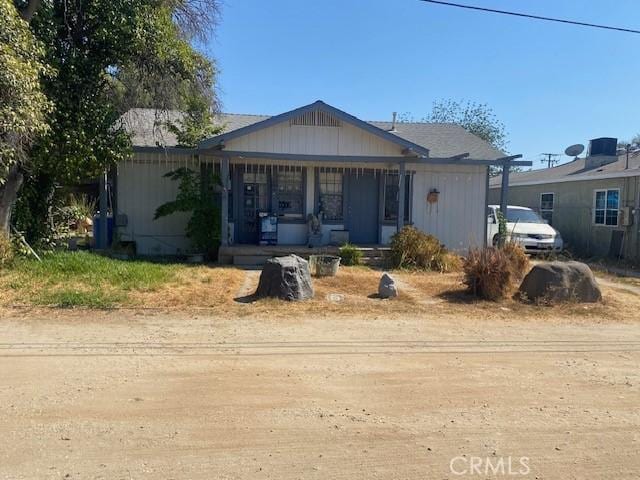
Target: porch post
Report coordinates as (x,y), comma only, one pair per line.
(504,192)
(224,203)
(401,194)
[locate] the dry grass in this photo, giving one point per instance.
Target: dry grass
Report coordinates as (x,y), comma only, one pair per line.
(195,286)
(352,293)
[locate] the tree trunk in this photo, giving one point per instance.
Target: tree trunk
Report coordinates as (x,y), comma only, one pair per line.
(8,195)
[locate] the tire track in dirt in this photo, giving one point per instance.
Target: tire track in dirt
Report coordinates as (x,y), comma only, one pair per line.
(323,348)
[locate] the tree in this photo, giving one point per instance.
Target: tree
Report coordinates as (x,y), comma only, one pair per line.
(23,105)
(109,56)
(477,118)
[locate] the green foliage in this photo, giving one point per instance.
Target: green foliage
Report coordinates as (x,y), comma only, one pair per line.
(412,248)
(42,215)
(31,211)
(477,118)
(100,58)
(23,105)
(89,268)
(350,255)
(69,279)
(502,227)
(80,207)
(69,298)
(7,253)
(196,195)
(195,125)
(492,273)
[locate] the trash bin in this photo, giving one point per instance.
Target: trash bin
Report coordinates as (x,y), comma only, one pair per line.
(97,230)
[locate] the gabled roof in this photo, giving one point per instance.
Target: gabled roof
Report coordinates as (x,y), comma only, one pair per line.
(315,106)
(575,170)
(442,140)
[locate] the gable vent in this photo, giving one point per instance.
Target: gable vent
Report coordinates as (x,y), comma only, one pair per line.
(315,118)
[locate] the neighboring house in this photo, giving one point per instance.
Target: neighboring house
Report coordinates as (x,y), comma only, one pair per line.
(594,202)
(365,178)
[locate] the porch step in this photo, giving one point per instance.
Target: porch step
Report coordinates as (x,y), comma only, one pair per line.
(257,255)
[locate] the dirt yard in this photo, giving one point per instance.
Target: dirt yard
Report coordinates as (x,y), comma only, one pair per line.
(322,394)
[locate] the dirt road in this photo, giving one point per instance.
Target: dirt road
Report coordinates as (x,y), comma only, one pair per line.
(118,395)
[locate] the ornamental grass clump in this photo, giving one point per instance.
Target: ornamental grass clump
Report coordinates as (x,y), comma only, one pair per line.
(492,273)
(350,255)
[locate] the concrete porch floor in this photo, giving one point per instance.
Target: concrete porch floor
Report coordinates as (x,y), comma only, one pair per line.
(251,255)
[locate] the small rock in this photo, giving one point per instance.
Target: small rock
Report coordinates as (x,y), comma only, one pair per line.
(387,286)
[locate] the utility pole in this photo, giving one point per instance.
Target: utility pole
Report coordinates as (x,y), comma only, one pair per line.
(551,160)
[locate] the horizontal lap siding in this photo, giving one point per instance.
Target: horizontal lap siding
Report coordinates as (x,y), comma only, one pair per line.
(314,140)
(573,212)
(458,218)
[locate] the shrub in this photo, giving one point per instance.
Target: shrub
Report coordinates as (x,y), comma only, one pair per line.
(412,248)
(350,255)
(6,251)
(492,272)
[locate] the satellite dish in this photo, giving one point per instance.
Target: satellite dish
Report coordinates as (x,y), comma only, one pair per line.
(574,150)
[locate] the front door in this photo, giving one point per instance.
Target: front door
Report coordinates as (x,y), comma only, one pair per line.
(362,208)
(255,198)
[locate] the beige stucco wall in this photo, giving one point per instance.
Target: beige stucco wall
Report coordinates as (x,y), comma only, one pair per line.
(573,212)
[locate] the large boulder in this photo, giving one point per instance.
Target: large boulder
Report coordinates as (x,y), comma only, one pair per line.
(561,282)
(387,287)
(287,278)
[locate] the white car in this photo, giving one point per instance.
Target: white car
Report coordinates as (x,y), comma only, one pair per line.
(526,227)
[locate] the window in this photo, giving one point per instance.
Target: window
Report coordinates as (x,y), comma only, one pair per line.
(491,218)
(392,194)
(289,193)
(606,206)
(330,196)
(546,207)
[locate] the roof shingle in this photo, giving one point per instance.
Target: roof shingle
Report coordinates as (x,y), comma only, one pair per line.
(574,170)
(442,139)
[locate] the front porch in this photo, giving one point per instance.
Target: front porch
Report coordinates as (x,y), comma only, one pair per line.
(253,255)
(359,202)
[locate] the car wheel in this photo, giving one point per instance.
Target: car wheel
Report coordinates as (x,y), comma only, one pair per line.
(495,240)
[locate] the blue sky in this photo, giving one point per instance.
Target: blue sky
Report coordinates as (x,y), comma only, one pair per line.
(551,84)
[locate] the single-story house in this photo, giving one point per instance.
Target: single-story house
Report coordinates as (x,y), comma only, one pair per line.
(364,179)
(594,202)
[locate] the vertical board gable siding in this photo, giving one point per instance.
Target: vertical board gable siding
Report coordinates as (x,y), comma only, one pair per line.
(346,139)
(457,219)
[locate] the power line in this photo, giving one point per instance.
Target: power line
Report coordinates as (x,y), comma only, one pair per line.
(535,17)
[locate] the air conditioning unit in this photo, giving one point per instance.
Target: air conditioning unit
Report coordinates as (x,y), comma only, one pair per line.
(626,216)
